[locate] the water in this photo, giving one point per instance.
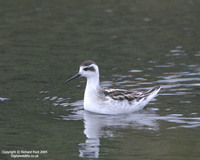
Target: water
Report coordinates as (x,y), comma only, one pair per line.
(137,45)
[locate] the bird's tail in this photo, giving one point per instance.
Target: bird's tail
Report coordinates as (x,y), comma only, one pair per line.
(156,88)
(152,92)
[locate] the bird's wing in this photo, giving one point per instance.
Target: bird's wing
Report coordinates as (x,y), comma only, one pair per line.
(121,94)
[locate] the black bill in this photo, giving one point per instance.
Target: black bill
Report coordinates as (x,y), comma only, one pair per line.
(76,76)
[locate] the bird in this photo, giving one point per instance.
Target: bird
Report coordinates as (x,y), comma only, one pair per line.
(110,101)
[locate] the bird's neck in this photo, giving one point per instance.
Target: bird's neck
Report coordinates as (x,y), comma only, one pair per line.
(92,83)
(91,92)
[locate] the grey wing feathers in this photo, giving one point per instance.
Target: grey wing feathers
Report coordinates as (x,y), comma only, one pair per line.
(120,94)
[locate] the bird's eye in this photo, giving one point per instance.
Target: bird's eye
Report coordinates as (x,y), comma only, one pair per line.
(85,69)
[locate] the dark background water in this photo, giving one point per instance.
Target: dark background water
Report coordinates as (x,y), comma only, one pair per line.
(137,45)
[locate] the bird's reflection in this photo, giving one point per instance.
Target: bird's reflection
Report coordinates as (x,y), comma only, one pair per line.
(90,149)
(96,126)
(92,125)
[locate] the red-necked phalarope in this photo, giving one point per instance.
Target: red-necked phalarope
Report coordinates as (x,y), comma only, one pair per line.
(110,101)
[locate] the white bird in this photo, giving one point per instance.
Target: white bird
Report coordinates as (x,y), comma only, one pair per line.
(110,101)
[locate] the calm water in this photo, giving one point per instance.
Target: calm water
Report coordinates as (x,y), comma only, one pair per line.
(137,45)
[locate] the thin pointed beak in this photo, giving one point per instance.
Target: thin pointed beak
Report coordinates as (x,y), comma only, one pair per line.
(76,76)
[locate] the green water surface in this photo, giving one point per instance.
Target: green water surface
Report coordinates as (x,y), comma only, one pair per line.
(137,45)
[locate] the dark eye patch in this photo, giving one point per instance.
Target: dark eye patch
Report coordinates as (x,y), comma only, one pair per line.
(89,69)
(85,69)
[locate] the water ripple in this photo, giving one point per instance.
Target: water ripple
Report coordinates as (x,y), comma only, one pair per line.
(4,99)
(145,119)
